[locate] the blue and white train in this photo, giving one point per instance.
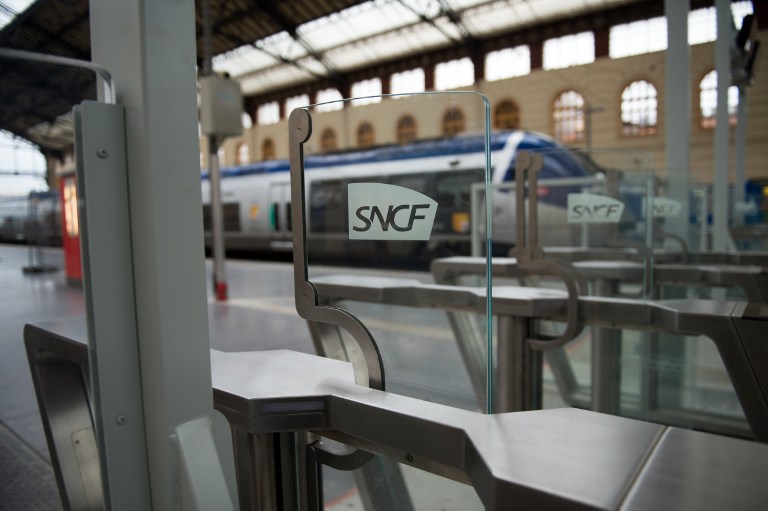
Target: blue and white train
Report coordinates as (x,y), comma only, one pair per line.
(256,197)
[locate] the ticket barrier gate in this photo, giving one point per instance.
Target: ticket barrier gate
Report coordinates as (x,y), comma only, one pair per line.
(733,326)
(606,275)
(574,254)
(552,459)
(606,278)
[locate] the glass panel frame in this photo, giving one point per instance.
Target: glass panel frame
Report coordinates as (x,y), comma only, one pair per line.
(335,221)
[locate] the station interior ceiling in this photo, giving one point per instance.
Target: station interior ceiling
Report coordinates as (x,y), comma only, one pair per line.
(269,44)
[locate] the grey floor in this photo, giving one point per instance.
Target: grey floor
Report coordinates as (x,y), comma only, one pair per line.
(259,316)
(26,479)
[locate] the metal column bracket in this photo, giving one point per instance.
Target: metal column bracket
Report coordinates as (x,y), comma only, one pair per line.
(530,256)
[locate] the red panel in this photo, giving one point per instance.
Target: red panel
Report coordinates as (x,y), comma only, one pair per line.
(71,235)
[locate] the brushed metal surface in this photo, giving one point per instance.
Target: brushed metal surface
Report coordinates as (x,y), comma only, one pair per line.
(553,459)
(693,470)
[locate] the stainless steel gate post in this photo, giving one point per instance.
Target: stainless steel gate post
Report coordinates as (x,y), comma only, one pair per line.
(256,470)
(518,367)
(606,358)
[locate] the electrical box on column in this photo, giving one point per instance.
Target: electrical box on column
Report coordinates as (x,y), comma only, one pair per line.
(221,106)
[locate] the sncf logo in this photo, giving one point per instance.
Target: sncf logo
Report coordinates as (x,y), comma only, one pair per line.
(587,208)
(387,212)
(663,207)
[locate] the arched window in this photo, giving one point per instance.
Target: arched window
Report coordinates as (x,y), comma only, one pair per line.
(221,154)
(507,63)
(368,92)
(247,121)
(568,117)
(453,122)
(330,100)
(639,109)
(243,153)
(328,140)
(365,136)
(708,101)
(294,102)
(454,74)
(407,82)
(268,149)
(268,113)
(506,116)
(406,129)
(568,50)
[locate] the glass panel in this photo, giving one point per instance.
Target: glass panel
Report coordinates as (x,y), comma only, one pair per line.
(372,485)
(683,382)
(378,213)
(588,207)
(748,216)
(664,378)
(592,218)
(750,223)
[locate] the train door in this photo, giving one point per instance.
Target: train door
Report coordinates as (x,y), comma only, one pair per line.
(280,220)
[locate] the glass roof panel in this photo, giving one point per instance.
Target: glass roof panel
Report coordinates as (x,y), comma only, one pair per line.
(428,8)
(356,23)
(459,5)
(496,16)
(311,65)
(401,42)
(284,46)
(448,28)
(381,30)
(9,9)
(246,60)
(279,76)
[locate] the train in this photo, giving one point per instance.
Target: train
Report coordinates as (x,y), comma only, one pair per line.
(257,202)
(33,218)
(257,210)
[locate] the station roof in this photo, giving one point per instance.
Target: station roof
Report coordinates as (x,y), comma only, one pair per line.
(264,44)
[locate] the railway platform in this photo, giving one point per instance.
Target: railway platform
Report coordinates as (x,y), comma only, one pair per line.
(261,302)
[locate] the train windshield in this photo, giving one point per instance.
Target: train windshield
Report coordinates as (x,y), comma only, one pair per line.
(559,162)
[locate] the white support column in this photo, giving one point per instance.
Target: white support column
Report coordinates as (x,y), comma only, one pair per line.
(677,112)
(720,212)
(739,193)
(149,46)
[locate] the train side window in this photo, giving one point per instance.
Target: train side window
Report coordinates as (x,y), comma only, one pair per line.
(328,206)
(231,213)
(274,217)
(289,216)
(207,217)
(417,182)
(454,190)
